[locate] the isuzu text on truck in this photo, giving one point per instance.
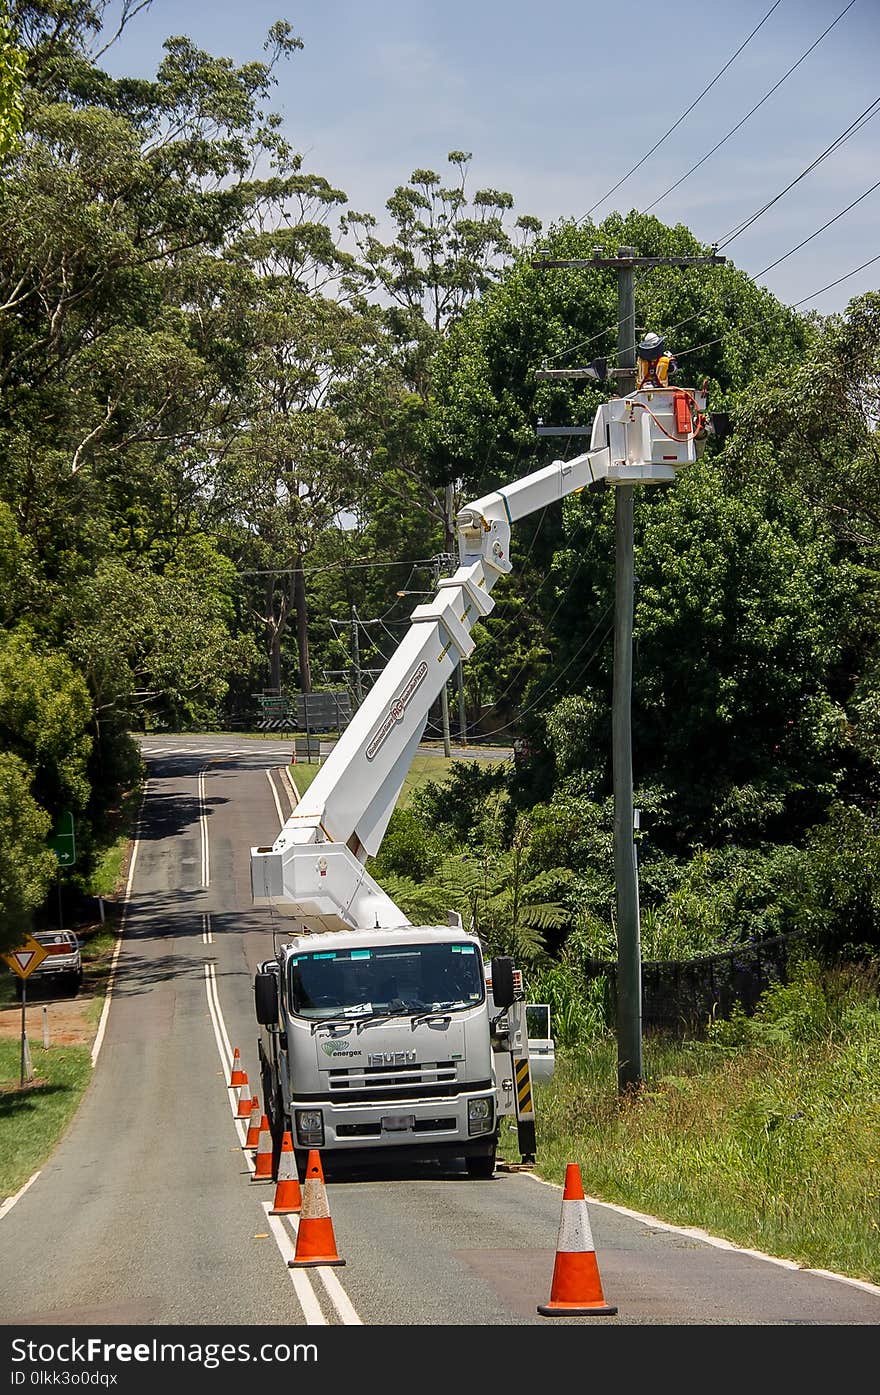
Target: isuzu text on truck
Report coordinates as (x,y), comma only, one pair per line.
(377,1034)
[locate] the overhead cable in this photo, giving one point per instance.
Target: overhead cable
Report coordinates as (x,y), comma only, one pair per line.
(831,284)
(332,567)
(575,656)
(740,124)
(867,115)
(791,253)
(803,300)
(675,126)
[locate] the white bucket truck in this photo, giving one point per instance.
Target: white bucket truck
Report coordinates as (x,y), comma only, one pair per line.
(377,1034)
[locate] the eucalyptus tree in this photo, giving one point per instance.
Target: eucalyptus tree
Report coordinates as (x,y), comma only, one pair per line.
(294,460)
(446,249)
(122,373)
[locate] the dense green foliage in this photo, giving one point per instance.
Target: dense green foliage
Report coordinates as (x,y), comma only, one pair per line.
(208,360)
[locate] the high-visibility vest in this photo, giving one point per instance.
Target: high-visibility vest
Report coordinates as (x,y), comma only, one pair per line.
(654,374)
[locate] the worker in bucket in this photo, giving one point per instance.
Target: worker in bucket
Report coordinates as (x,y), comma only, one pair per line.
(655,364)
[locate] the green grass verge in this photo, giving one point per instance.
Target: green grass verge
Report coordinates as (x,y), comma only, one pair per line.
(32,1120)
(775,1148)
(106,878)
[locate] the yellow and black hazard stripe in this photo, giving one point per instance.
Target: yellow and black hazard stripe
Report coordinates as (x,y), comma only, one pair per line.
(525,1109)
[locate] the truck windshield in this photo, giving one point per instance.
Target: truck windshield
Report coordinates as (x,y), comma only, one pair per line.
(387,980)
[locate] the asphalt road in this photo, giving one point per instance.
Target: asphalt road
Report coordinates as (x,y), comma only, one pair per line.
(147,1212)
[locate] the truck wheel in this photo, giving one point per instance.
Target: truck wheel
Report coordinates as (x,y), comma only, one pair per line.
(482,1166)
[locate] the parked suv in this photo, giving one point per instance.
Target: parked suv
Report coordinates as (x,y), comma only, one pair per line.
(63,963)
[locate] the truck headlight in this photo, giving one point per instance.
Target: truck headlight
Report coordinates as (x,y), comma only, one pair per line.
(310,1127)
(480,1116)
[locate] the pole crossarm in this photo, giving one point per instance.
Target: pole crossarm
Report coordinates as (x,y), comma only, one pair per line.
(541,262)
(564,373)
(581,373)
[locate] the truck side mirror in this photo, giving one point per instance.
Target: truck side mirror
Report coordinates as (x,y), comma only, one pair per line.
(503,994)
(266,999)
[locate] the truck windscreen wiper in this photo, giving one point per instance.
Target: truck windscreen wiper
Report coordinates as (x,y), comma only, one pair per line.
(437,1013)
(346,1019)
(394,1009)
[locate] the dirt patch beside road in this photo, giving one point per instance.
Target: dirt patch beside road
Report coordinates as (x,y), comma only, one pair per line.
(72,1021)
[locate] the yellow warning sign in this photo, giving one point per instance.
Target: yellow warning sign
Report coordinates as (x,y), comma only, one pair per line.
(24,960)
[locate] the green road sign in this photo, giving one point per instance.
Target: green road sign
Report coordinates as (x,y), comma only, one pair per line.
(63,842)
(272,705)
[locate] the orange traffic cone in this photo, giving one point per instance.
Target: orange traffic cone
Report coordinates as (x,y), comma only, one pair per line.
(244,1101)
(288,1198)
(252,1140)
(263,1170)
(315,1241)
(238,1076)
(576,1290)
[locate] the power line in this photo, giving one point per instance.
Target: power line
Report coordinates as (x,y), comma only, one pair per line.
(675,126)
(867,115)
(791,253)
(563,353)
(547,623)
(740,124)
(331,567)
(812,296)
(575,656)
(845,277)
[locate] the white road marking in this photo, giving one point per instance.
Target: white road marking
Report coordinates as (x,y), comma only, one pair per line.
(207,932)
(301,1281)
(281,819)
(220,1021)
(11,1200)
(694,1233)
(203,824)
(111,981)
(225,1059)
(338,1296)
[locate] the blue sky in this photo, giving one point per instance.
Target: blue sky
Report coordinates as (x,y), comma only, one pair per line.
(558,100)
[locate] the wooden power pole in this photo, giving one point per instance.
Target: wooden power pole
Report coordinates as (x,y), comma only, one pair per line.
(629,953)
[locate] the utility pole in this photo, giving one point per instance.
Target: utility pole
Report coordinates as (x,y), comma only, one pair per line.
(629,953)
(629,947)
(444,691)
(356,656)
(449,523)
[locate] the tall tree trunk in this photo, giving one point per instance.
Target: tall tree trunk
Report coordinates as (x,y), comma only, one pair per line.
(275,659)
(301,607)
(276,625)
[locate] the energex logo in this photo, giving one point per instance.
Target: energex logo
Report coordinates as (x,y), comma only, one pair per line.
(332,1048)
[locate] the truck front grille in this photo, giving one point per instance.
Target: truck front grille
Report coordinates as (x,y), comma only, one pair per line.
(374,1130)
(437,1079)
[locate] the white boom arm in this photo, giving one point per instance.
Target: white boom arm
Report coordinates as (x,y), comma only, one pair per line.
(315,868)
